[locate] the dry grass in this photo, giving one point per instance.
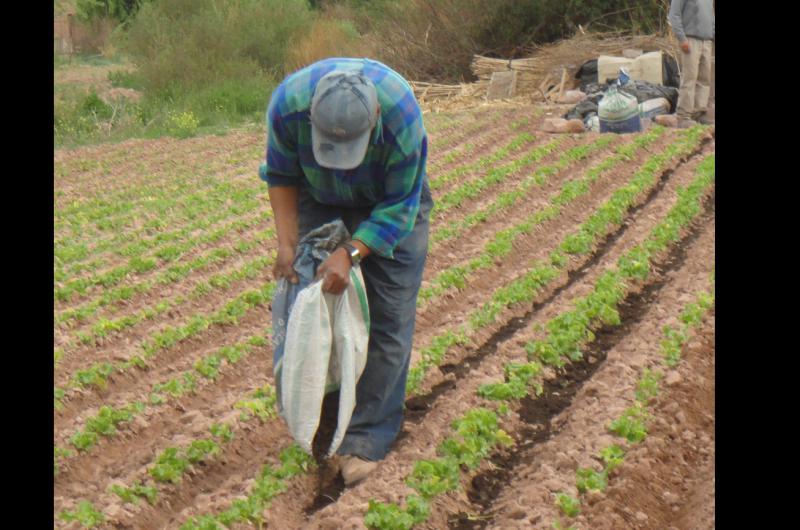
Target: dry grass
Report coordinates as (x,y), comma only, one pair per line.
(549,60)
(545,66)
(325,38)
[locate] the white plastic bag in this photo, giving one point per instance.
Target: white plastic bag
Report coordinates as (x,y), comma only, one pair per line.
(325,349)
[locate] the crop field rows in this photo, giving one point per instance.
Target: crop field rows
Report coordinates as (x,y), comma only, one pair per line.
(564,322)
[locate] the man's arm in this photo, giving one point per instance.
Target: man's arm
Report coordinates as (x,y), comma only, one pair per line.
(394,218)
(282,173)
(675,20)
(389,222)
(283,200)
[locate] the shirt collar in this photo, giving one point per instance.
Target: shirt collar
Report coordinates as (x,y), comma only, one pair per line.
(377,132)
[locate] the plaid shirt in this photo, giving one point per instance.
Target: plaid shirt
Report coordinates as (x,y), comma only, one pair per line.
(391,176)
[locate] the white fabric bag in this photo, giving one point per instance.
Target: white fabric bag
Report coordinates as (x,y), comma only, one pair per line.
(325,349)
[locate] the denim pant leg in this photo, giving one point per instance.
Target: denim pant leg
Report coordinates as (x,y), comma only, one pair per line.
(392,287)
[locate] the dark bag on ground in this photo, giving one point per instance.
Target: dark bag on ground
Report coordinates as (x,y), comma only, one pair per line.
(642,90)
(587,73)
(671,76)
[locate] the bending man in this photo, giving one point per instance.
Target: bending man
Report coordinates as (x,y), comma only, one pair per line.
(346,140)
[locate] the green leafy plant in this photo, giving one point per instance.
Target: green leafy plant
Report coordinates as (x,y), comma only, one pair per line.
(631,425)
(169,466)
(222,431)
(568,504)
(104,423)
(85,514)
(612,456)
(434,477)
(262,404)
(173,462)
(589,479)
(135,492)
(518,378)
(382,516)
(58,453)
(270,482)
(647,387)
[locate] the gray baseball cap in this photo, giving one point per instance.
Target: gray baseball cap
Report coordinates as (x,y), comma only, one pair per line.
(344,110)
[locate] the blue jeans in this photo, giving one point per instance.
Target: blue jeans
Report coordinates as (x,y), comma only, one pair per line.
(392,287)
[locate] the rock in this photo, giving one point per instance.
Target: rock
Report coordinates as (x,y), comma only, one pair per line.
(563,461)
(681,417)
(593,497)
(517,514)
(673,378)
(554,484)
(572,96)
(330,524)
(355,523)
(689,435)
(667,120)
(641,516)
(113,510)
(670,498)
(560,126)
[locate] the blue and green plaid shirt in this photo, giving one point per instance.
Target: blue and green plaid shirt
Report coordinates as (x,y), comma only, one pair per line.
(391,176)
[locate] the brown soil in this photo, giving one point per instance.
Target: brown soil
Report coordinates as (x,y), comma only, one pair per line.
(318,500)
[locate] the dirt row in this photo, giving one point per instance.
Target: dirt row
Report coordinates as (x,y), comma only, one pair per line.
(92,354)
(79,171)
(577,434)
(454,309)
(427,431)
(116,347)
(174,506)
(128,385)
(80,175)
(489,136)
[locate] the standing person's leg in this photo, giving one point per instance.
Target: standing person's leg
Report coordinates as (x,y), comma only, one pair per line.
(689,64)
(702,89)
(392,288)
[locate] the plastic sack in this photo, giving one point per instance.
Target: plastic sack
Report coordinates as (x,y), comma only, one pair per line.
(653,107)
(641,90)
(320,340)
(618,112)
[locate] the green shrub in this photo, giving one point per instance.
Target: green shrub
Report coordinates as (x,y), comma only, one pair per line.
(183,44)
(125,79)
(183,125)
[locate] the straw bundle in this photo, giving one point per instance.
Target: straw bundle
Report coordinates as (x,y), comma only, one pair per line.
(550,60)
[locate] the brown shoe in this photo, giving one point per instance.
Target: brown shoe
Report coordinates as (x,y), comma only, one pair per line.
(705,120)
(356,469)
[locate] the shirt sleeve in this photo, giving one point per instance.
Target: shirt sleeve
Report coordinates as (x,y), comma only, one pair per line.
(394,218)
(675,20)
(282,167)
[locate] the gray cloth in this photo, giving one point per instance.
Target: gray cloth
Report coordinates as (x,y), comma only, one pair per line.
(692,18)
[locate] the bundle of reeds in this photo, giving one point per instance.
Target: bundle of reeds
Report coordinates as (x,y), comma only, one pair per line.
(546,64)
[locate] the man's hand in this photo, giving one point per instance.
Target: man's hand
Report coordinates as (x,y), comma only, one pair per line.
(685,46)
(335,272)
(283,264)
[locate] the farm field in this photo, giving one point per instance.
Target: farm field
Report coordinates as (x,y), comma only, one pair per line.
(563,363)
